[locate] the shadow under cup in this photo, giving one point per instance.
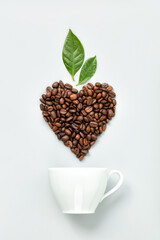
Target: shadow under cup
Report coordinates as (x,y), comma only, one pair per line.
(80,190)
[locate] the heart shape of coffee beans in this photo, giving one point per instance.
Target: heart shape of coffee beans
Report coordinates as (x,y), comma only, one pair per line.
(78,118)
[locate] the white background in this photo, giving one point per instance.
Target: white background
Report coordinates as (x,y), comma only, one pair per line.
(125,36)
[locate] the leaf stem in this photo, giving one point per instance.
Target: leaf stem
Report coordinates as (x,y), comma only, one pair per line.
(73,78)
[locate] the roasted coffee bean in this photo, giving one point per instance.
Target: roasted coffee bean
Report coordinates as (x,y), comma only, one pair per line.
(48,94)
(68,86)
(88,129)
(104,127)
(104,112)
(85,141)
(96,105)
(57,124)
(93,124)
(104,85)
(74,90)
(89,101)
(89,92)
(68,132)
(55,85)
(69,119)
(48,89)
(53,114)
(84,112)
(73,97)
(81,157)
(104,94)
(61,84)
(114,102)
(90,85)
(110,113)
(63,111)
(76,102)
(49,103)
(77,137)
(81,141)
(54,128)
(61,101)
(109,88)
(42,107)
(42,100)
(78,118)
(88,109)
(98,84)
(65,138)
(69,143)
(79,106)
(54,91)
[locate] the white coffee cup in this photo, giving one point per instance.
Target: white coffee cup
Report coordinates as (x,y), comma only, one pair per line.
(80,190)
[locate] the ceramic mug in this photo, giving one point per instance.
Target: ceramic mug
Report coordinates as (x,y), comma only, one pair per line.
(80,190)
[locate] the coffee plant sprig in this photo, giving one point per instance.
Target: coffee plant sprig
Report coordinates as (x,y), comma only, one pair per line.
(73,58)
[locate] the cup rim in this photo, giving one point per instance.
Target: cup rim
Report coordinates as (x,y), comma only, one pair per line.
(77,168)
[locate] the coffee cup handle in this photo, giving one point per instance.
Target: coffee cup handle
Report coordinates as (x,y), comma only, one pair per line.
(115,188)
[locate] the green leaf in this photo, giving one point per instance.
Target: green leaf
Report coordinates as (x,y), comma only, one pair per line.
(88,70)
(73,53)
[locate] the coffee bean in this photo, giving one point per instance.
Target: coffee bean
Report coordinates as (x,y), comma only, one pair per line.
(98,95)
(110,113)
(69,143)
(42,107)
(104,127)
(109,88)
(48,94)
(78,118)
(96,105)
(81,157)
(76,151)
(88,109)
(69,119)
(61,84)
(85,141)
(55,85)
(98,84)
(114,102)
(63,111)
(104,94)
(54,128)
(81,141)
(68,132)
(53,114)
(89,92)
(65,138)
(104,85)
(54,91)
(79,106)
(89,101)
(57,124)
(84,112)
(74,90)
(49,103)
(73,97)
(77,137)
(93,124)
(76,102)
(104,112)
(48,89)
(85,151)
(68,86)
(61,101)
